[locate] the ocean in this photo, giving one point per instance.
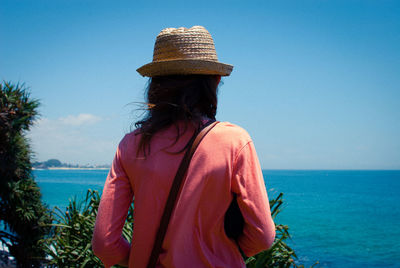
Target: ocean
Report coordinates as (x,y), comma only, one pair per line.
(338,218)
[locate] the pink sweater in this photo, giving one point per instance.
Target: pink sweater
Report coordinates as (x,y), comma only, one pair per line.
(224,163)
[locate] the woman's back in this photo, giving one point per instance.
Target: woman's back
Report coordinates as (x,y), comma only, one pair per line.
(225,163)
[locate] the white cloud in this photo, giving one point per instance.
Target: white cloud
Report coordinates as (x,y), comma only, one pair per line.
(75,139)
(80,119)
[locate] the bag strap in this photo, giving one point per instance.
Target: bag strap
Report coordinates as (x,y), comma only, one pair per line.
(174,192)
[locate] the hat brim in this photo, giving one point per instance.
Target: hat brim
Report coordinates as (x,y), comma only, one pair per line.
(185,67)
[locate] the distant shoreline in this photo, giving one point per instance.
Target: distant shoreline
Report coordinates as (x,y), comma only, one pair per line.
(72,168)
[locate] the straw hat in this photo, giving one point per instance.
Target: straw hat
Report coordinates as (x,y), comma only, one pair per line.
(184,51)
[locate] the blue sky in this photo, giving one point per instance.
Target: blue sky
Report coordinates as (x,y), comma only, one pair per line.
(315,83)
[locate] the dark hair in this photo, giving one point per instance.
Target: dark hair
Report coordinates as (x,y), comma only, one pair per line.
(187,98)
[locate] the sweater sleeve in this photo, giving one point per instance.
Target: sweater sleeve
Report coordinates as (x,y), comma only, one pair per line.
(248,184)
(108,243)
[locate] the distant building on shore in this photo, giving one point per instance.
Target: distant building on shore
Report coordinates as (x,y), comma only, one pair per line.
(55,163)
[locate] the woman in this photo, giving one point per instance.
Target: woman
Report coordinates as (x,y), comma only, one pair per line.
(182,98)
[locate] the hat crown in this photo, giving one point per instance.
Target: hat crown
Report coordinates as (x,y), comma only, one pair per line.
(184,43)
(184,51)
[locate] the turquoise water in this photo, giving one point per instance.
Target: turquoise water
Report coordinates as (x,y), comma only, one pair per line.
(59,186)
(339,218)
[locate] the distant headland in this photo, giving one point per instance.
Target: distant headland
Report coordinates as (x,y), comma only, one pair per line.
(57,164)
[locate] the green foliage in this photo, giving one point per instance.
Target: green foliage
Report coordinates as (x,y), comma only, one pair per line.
(17,109)
(71,243)
(53,163)
(17,113)
(22,213)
